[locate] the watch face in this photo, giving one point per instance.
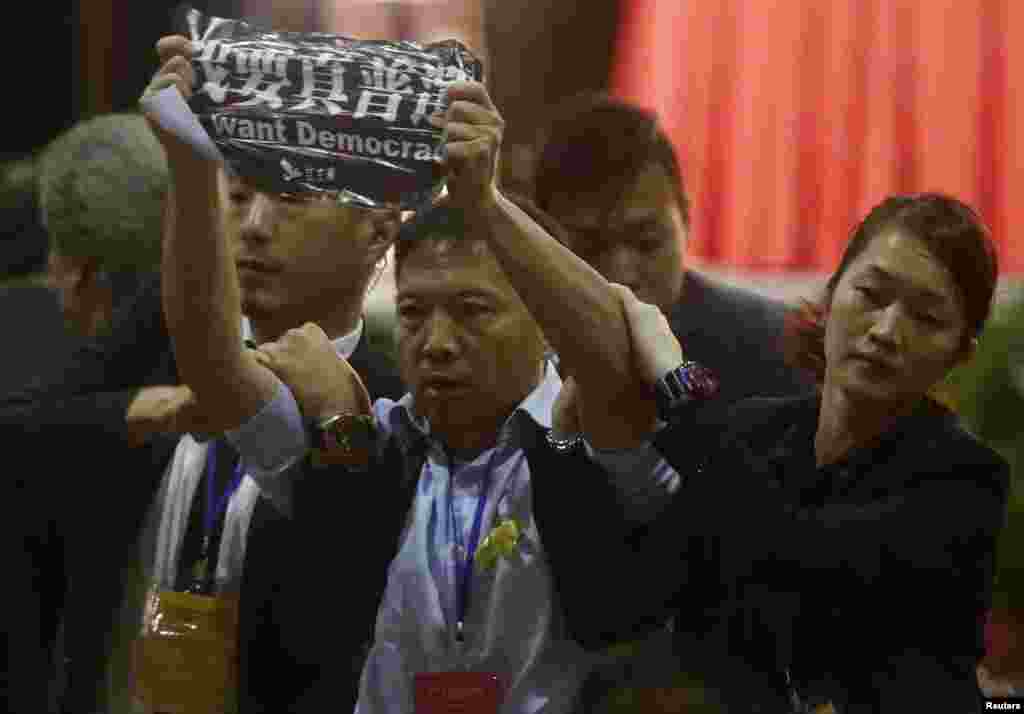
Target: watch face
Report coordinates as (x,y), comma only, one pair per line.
(348,440)
(353,432)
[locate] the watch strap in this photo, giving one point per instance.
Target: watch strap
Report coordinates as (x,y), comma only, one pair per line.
(687,383)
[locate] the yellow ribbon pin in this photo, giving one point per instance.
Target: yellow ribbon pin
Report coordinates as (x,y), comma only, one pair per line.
(500,542)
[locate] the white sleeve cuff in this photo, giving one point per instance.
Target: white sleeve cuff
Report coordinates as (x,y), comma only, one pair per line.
(272,441)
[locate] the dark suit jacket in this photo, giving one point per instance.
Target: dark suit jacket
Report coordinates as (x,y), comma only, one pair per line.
(80,505)
(287,575)
(74,419)
(867,579)
(32,320)
(738,334)
(330,586)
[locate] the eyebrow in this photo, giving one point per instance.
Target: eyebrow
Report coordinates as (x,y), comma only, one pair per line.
(926,293)
(461,295)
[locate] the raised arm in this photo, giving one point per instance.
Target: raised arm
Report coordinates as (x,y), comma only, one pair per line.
(201,296)
(580,314)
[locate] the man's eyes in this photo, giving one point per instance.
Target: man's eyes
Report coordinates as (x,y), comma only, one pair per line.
(409,312)
(869,293)
(469,308)
(476,309)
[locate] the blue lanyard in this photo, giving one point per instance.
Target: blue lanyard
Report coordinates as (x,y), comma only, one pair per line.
(213,510)
(464,566)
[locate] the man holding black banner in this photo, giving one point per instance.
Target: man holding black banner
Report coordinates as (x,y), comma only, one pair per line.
(469,607)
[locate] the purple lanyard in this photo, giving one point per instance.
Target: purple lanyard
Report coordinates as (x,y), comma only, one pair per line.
(213,510)
(464,565)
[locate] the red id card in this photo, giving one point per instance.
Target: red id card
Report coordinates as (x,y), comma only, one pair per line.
(458,693)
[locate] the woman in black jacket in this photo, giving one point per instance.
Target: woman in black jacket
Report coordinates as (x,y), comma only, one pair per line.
(837,548)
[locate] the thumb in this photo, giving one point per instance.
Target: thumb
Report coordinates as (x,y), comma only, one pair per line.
(565,413)
(363,400)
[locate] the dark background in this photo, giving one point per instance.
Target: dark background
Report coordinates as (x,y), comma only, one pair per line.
(72,60)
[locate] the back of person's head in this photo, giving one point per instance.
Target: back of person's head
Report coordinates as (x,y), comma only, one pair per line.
(23,240)
(951,231)
(599,145)
(102,186)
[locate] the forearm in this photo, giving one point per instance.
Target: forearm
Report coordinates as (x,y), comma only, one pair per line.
(608,553)
(202,300)
(579,313)
(642,479)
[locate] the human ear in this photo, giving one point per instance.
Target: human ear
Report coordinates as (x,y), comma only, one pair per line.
(966,352)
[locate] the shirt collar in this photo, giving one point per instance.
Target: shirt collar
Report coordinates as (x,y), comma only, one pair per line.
(344,345)
(538,406)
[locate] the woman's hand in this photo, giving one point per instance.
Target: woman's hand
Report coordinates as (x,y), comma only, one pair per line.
(656,350)
(565,418)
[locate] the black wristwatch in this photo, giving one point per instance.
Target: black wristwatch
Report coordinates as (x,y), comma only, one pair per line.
(343,439)
(687,383)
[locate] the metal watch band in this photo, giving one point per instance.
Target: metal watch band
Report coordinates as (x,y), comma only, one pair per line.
(562,446)
(332,446)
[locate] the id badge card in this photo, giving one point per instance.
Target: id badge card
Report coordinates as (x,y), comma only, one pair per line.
(185,657)
(458,693)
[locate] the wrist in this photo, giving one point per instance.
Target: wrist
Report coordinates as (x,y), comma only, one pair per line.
(190,172)
(484,212)
(687,383)
(343,439)
(665,365)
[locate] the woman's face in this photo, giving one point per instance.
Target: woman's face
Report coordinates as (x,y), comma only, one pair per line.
(895,324)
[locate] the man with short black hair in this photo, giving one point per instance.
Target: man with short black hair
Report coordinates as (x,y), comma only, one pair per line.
(610,175)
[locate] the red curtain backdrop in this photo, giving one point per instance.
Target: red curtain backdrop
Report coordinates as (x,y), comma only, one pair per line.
(793,117)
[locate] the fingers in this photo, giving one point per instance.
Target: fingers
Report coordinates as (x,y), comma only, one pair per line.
(176,67)
(167,47)
(179,70)
(365,405)
(565,416)
(469,91)
(262,358)
(292,347)
(470,113)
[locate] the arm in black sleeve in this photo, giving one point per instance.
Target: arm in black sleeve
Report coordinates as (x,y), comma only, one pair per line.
(121,358)
(615,581)
(932,527)
(318,634)
(89,394)
(949,510)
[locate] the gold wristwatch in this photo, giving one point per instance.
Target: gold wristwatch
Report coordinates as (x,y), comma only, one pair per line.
(344,440)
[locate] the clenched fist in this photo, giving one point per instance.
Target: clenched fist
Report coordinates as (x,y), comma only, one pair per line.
(163,410)
(175,53)
(473,135)
(323,383)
